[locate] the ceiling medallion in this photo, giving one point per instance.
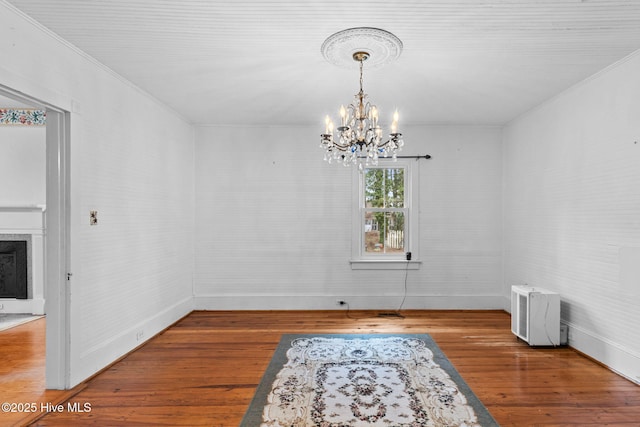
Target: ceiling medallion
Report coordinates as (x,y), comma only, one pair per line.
(359,135)
(382,47)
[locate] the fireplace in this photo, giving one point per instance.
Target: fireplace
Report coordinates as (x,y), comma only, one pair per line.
(13,269)
(22,249)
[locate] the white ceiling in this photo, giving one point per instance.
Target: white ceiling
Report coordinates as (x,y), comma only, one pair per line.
(259,62)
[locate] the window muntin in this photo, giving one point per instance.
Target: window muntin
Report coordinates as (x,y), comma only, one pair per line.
(383,211)
(384,232)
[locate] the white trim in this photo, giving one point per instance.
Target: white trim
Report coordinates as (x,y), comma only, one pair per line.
(355,302)
(619,359)
(13,305)
(361,261)
(615,357)
(98,356)
(10,81)
(385,264)
(20,208)
(57,229)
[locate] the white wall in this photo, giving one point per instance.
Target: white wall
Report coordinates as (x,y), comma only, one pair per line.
(131,160)
(22,165)
(572,210)
(273,222)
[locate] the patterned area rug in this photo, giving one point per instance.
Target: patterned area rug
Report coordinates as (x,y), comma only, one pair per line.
(363,380)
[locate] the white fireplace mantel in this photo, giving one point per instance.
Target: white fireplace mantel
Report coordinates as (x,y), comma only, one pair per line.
(19,218)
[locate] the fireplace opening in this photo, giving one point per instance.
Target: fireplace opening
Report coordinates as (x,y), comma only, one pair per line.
(13,269)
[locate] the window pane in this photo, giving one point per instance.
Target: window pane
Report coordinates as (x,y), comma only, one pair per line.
(384,188)
(383,232)
(394,186)
(374,188)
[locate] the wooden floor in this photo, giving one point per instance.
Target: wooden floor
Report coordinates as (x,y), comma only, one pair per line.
(204,370)
(22,371)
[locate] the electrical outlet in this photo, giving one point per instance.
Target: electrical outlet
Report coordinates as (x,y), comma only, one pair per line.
(93,217)
(139,336)
(341,302)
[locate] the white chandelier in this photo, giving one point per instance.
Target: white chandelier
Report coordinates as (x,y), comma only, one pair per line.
(360,136)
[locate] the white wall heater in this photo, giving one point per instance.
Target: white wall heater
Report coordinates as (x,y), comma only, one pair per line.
(535,315)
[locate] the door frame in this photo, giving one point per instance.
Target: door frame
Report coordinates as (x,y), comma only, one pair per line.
(57,240)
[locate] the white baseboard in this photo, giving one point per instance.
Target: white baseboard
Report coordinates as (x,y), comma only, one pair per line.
(355,302)
(96,358)
(614,356)
(506,303)
(13,305)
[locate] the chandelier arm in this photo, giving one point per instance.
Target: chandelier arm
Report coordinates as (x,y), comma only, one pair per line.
(341,147)
(359,135)
(384,144)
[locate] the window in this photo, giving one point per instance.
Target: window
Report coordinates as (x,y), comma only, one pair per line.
(384,216)
(384,211)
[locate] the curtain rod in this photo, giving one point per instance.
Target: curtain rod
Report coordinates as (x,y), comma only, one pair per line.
(426,156)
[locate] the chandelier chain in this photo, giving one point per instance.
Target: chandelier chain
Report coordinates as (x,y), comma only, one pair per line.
(361,78)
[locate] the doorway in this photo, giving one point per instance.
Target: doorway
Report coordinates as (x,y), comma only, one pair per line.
(56,237)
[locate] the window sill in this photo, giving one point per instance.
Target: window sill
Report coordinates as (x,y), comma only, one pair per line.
(386,264)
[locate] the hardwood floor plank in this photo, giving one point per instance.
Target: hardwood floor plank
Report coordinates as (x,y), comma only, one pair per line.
(22,376)
(204,370)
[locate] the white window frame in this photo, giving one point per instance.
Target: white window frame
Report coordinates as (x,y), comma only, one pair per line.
(360,260)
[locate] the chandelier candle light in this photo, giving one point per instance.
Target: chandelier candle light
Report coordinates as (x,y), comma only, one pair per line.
(359,135)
